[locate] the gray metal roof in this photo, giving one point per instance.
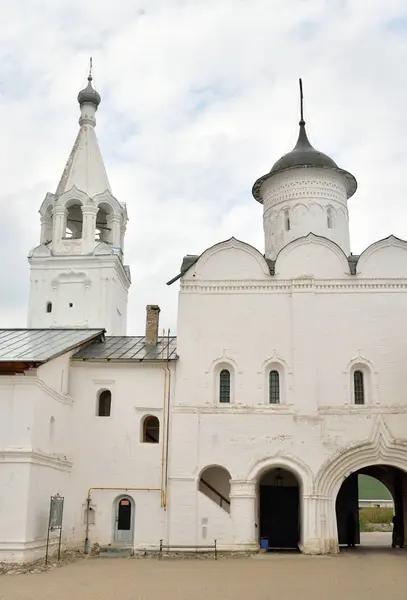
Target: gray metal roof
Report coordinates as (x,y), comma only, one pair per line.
(40,345)
(301,156)
(132,348)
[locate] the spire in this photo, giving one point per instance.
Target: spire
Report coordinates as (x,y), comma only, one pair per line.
(85,168)
(301,156)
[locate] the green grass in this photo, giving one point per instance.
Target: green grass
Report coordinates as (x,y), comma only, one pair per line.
(371,489)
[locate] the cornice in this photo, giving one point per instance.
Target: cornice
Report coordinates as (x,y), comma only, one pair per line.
(351,284)
(217,409)
(83,261)
(35,457)
(367,409)
(29,380)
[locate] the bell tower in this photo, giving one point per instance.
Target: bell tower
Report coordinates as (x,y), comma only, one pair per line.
(77,274)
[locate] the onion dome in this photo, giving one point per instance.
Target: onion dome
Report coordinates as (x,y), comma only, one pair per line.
(88,94)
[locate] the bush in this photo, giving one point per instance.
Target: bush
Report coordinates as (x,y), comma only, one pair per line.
(374,515)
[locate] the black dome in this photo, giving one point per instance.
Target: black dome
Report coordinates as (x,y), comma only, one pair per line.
(303,155)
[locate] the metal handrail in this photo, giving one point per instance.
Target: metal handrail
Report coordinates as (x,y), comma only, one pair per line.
(208,485)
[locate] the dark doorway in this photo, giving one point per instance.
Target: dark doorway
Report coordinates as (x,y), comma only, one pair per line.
(280,509)
(124,516)
(366,520)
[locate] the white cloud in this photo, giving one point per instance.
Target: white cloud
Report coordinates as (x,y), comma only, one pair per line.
(199,98)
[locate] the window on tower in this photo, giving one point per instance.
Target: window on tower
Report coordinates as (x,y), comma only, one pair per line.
(49,307)
(287,220)
(330,218)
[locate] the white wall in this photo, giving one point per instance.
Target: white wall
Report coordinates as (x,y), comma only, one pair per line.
(108,451)
(306,195)
(314,331)
(96,286)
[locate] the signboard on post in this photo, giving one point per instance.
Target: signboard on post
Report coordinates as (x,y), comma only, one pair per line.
(56,511)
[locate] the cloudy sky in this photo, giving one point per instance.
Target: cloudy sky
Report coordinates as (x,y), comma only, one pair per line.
(199,98)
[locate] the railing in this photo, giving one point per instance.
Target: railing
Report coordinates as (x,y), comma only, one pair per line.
(168,547)
(215,491)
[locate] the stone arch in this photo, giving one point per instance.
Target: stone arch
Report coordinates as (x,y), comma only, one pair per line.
(379,450)
(214,482)
(300,469)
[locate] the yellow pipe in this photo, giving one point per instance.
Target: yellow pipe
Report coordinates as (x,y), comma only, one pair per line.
(163,498)
(168,422)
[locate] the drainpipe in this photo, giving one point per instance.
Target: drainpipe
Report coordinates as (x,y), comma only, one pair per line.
(163,434)
(167,436)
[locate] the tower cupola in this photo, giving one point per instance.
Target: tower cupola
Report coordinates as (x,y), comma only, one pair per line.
(305,191)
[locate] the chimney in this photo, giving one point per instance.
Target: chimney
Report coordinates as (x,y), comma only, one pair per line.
(152,320)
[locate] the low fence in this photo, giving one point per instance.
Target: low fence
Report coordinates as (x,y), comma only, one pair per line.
(182,547)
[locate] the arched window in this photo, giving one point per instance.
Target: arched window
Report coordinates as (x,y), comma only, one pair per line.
(287,220)
(274,387)
(330,218)
(104,403)
(151,430)
(224,386)
(49,307)
(359,387)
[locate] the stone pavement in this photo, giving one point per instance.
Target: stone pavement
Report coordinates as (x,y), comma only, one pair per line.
(358,575)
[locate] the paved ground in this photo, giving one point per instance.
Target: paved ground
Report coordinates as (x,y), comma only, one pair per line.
(353,575)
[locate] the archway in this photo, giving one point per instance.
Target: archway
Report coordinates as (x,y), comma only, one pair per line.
(362,520)
(214,483)
(279,509)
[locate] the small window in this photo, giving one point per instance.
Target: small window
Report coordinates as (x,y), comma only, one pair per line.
(274,387)
(287,220)
(49,307)
(359,387)
(151,430)
(330,218)
(70,304)
(105,403)
(224,386)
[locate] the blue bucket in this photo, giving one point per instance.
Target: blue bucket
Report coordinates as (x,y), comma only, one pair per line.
(264,543)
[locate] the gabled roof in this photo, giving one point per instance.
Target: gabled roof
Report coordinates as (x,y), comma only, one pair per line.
(34,347)
(129,348)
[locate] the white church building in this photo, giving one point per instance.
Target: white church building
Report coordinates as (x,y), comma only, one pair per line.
(287,378)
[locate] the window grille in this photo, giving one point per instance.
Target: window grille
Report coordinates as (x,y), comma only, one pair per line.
(359,387)
(224,386)
(274,387)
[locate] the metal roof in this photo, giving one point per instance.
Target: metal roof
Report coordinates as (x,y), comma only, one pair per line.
(131,348)
(40,345)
